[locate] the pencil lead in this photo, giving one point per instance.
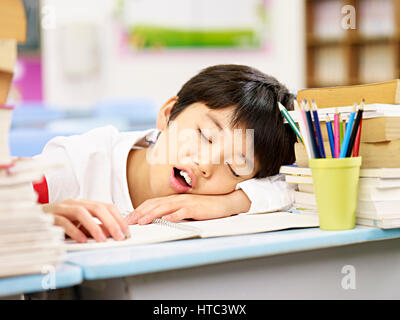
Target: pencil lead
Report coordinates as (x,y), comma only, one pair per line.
(313,103)
(327,118)
(307,103)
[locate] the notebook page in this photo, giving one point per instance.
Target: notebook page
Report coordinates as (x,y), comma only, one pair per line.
(253,223)
(140,234)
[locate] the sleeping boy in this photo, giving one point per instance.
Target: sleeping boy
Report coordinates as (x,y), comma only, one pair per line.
(216,152)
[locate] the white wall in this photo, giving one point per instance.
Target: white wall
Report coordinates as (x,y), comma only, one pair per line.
(158,75)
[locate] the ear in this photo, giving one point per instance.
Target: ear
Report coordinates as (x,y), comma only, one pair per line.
(165,112)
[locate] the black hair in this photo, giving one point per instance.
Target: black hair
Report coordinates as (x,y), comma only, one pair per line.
(255,96)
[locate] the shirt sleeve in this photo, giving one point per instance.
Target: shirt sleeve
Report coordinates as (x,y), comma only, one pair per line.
(268,194)
(76,153)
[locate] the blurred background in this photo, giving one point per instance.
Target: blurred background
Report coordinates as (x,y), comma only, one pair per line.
(89,63)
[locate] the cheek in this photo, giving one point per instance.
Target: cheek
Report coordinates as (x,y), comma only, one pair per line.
(159,180)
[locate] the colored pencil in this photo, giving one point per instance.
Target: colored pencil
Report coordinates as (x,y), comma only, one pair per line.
(354,131)
(289,119)
(330,135)
(307,129)
(317,125)
(311,131)
(337,134)
(303,129)
(356,149)
(341,132)
(357,142)
(347,134)
(344,125)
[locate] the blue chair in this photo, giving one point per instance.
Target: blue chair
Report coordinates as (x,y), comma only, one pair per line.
(28,142)
(34,115)
(34,124)
(139,112)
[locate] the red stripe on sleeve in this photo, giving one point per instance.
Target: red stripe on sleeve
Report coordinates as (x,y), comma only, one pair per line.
(42,190)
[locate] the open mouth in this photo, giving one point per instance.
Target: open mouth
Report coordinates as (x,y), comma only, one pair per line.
(183,177)
(180,180)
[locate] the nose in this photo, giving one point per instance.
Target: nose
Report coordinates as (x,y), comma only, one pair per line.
(205,169)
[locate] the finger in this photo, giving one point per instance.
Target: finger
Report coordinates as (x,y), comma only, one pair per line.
(178,215)
(100,211)
(103,228)
(142,210)
(131,218)
(160,211)
(146,207)
(120,219)
(107,209)
(70,229)
(81,214)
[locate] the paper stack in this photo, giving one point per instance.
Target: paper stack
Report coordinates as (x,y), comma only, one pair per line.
(378,202)
(29,242)
(12,31)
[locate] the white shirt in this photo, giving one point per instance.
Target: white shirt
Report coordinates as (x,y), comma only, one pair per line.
(95,168)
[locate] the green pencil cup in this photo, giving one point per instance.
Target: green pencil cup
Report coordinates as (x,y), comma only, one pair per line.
(336,186)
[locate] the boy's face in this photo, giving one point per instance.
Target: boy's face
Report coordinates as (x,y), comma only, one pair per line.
(198,152)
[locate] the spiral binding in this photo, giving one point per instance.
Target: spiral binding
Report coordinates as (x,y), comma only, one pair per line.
(179,226)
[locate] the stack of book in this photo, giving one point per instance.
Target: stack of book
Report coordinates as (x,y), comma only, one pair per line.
(378,195)
(29,242)
(379,186)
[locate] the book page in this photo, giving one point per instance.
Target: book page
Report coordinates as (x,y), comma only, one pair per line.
(140,234)
(235,225)
(254,223)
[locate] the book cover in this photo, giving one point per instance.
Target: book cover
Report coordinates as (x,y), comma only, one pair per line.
(386,92)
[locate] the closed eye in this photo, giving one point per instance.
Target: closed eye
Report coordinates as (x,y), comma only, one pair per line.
(203,136)
(233,172)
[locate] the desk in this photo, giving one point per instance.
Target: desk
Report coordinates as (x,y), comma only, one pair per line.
(65,275)
(291,264)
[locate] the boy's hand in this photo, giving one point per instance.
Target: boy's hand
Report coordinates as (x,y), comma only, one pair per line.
(190,206)
(76,217)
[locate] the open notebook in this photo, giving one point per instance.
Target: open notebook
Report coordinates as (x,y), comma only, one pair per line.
(161,230)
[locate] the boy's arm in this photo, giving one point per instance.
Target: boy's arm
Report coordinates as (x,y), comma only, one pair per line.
(268,194)
(254,195)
